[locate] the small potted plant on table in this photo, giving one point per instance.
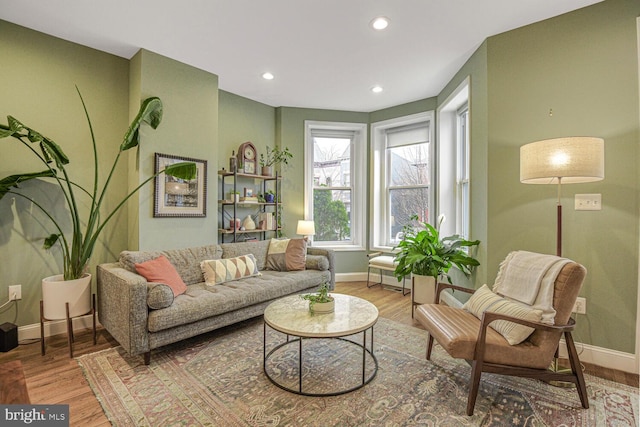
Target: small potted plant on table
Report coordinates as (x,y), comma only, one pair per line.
(321,302)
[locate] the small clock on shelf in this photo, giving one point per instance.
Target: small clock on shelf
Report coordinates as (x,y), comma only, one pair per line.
(247,156)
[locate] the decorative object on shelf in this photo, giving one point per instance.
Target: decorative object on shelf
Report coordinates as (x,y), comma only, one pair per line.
(248,223)
(234,224)
(423,253)
(274,157)
(77,248)
(321,302)
(247,157)
(233,162)
(270,196)
(562,161)
(265,221)
(234,196)
(248,192)
(177,197)
(306,228)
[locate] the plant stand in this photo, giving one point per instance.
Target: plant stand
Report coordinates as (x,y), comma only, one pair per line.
(69,321)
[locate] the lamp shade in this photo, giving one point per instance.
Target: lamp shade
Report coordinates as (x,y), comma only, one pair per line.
(567,160)
(306,228)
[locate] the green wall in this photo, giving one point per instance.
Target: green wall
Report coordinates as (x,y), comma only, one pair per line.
(39,74)
(189,128)
(584,67)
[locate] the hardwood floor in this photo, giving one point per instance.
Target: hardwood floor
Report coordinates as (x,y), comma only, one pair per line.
(57,379)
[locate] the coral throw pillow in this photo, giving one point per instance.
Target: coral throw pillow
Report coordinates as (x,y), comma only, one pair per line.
(160,270)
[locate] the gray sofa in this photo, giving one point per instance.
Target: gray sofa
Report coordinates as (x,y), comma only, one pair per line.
(138,316)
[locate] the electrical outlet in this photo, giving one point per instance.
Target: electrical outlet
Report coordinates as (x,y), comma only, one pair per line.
(588,202)
(15,292)
(580,307)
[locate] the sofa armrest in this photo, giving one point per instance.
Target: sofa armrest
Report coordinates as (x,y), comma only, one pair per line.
(122,306)
(329,253)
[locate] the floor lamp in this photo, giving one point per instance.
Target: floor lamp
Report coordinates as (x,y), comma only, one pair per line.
(560,161)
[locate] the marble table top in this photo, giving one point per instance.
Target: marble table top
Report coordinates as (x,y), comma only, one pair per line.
(291,315)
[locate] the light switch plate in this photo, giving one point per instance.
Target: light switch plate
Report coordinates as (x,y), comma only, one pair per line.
(588,202)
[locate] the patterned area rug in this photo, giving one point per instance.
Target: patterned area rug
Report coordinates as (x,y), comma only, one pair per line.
(217,380)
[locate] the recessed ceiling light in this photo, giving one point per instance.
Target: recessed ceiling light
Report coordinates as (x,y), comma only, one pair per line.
(268,76)
(380,23)
(376,89)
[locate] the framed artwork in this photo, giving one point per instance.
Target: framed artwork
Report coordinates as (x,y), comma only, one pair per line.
(248,192)
(176,197)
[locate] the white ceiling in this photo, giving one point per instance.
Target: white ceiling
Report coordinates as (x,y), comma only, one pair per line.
(322,52)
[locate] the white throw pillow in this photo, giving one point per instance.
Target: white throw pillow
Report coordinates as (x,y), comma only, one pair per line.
(485,300)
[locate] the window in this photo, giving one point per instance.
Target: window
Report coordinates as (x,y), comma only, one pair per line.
(453,160)
(335,183)
(462,184)
(402,175)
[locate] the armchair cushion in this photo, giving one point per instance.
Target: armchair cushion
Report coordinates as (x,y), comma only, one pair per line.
(485,300)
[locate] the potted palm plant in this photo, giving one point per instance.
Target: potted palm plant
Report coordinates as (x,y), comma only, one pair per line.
(77,245)
(273,157)
(426,256)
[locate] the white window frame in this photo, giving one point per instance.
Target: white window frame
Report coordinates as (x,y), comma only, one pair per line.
(449,160)
(358,187)
(379,209)
(463,178)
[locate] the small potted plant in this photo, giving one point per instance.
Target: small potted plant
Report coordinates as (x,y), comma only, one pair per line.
(234,196)
(270,196)
(422,252)
(273,157)
(321,302)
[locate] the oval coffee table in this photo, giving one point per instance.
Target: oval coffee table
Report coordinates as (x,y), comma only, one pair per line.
(290,315)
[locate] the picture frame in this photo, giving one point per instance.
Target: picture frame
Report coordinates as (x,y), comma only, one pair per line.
(248,192)
(176,197)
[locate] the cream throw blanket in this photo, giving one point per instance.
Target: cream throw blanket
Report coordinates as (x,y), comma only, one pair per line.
(529,278)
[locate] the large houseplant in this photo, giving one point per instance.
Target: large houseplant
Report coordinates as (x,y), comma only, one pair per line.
(77,245)
(422,252)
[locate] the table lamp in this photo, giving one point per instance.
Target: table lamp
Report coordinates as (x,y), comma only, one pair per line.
(306,228)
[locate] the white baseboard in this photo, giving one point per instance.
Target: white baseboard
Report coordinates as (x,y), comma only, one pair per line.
(54,327)
(604,357)
(600,356)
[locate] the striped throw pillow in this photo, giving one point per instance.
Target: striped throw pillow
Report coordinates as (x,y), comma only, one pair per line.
(485,300)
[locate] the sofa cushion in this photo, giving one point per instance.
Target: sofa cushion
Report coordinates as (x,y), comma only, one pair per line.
(257,248)
(484,300)
(186,261)
(201,302)
(162,271)
(317,262)
(159,296)
(218,271)
(287,255)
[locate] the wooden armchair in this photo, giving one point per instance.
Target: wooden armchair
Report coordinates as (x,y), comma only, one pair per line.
(464,336)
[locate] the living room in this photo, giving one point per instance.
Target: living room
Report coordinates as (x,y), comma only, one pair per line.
(574,74)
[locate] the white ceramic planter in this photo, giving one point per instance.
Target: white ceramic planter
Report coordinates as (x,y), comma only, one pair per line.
(323,307)
(56,292)
(423,289)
